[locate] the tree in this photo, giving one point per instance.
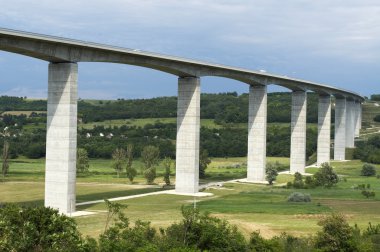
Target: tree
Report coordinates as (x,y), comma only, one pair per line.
(119,160)
(336,234)
(298,181)
(271,174)
(39,229)
(167,162)
(150,156)
(82,161)
(130,170)
(204,161)
(368,170)
(203,233)
(121,237)
(325,176)
(5,166)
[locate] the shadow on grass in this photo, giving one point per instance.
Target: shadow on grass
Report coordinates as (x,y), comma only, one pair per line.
(215,177)
(115,194)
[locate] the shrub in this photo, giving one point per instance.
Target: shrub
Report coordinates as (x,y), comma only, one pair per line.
(368,194)
(39,229)
(309,182)
(82,161)
(336,235)
(150,156)
(298,182)
(326,176)
(368,170)
(299,197)
(204,233)
(35,150)
(271,174)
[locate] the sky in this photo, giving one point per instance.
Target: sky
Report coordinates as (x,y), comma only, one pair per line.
(334,42)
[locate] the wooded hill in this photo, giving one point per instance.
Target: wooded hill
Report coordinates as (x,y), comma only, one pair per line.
(223,107)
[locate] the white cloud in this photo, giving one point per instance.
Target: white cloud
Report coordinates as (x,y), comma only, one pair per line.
(257,34)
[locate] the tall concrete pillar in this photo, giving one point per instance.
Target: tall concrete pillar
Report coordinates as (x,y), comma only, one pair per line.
(360,115)
(350,124)
(357,118)
(61,137)
(324,129)
(298,133)
(340,129)
(188,127)
(257,132)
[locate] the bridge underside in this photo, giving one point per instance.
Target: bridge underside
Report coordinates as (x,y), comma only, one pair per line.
(64,54)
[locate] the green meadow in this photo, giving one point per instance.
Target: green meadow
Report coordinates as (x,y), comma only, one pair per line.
(249,206)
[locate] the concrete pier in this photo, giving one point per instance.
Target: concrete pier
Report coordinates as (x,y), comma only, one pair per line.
(350,124)
(61,137)
(340,129)
(324,129)
(357,118)
(298,132)
(188,127)
(257,132)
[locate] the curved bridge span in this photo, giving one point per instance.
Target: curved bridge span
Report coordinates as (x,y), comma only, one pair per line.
(65,54)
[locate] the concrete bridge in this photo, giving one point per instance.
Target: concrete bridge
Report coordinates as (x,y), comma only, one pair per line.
(61,141)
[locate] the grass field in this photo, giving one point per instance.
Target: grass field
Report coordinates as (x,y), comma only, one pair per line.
(250,207)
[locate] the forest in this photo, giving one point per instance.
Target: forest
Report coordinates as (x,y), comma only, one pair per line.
(228,110)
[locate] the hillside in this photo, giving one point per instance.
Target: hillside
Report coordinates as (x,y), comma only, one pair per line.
(223,107)
(370,110)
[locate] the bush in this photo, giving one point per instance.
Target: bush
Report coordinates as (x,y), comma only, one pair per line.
(299,197)
(368,170)
(39,229)
(326,176)
(309,182)
(271,174)
(203,233)
(298,181)
(35,150)
(336,235)
(368,194)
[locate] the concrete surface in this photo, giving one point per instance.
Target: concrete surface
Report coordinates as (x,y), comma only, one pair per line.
(298,132)
(257,133)
(61,137)
(188,127)
(324,129)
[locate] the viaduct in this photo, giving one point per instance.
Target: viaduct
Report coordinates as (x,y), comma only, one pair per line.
(64,54)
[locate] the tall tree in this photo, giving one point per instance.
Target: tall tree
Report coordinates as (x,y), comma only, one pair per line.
(130,170)
(150,156)
(271,173)
(82,161)
(167,162)
(204,161)
(119,160)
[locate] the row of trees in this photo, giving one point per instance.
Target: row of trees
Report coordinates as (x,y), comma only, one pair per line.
(368,150)
(44,229)
(222,142)
(223,107)
(150,156)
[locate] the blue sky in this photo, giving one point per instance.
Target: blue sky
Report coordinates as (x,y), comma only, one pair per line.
(334,42)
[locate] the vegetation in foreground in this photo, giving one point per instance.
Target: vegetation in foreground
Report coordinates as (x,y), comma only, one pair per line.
(43,229)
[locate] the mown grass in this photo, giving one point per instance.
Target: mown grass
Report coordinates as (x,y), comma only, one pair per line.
(208,123)
(250,207)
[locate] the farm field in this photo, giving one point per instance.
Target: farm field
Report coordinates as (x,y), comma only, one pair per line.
(250,207)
